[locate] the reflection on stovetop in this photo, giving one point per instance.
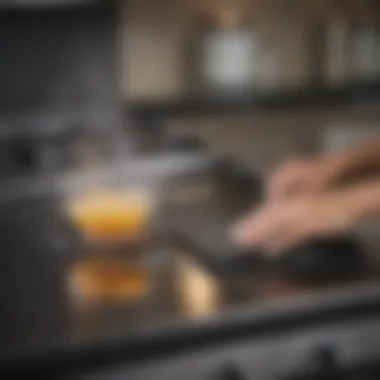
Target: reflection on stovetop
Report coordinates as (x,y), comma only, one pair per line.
(184,286)
(180,287)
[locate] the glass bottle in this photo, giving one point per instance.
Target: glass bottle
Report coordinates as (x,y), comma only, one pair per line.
(227,55)
(364,43)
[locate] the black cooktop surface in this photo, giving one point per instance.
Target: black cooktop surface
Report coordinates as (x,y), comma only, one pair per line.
(42,320)
(194,283)
(204,230)
(40,248)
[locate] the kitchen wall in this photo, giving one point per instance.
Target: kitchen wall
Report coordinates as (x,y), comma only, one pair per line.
(159,52)
(153,40)
(156,65)
(294,42)
(264,140)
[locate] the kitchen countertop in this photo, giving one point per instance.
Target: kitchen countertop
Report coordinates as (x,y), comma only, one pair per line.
(186,302)
(45,325)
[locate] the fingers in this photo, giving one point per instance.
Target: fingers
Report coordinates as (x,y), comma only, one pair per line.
(263,228)
(287,181)
(289,188)
(276,227)
(278,186)
(289,216)
(250,230)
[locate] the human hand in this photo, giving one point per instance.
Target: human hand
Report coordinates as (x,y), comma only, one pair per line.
(300,177)
(279,226)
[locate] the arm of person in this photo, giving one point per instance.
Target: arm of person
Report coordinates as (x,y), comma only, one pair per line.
(278,226)
(316,175)
(351,164)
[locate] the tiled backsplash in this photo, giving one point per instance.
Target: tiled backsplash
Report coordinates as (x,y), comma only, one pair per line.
(265,140)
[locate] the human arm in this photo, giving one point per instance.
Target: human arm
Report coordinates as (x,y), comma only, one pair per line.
(312,176)
(278,226)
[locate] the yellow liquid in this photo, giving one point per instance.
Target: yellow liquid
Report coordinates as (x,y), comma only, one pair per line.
(109,280)
(110,217)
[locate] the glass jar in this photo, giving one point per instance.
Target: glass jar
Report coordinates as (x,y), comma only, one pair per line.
(112,217)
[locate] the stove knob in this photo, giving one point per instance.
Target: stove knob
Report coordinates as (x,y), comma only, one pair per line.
(228,372)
